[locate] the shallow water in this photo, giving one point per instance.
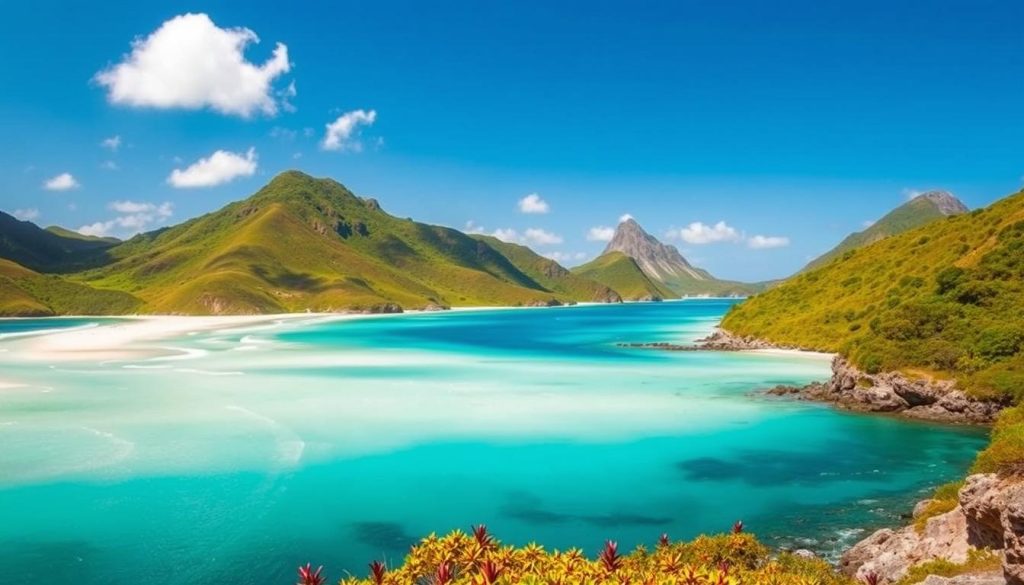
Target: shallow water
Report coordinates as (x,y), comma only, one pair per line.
(238,454)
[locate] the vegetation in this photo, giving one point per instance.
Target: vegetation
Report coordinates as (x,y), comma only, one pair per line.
(912,214)
(480,559)
(1005,454)
(621,273)
(24,292)
(298,244)
(946,299)
(945,499)
(978,561)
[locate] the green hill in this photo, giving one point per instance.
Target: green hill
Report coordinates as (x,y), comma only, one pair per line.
(49,250)
(919,211)
(26,293)
(618,271)
(552,275)
(303,243)
(945,299)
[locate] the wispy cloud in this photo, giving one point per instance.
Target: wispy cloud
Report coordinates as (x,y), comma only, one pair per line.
(343,133)
(29,214)
(600,233)
(113,143)
(135,217)
(765,242)
(530,237)
(700,233)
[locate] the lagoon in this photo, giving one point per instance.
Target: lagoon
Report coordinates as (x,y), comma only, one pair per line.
(238,450)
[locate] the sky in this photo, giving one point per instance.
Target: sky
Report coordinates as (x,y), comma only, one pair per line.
(753,135)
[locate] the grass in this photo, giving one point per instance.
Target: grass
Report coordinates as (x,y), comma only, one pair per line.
(978,561)
(1005,454)
(945,499)
(621,273)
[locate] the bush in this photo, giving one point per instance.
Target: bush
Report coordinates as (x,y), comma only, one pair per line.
(999,342)
(1005,455)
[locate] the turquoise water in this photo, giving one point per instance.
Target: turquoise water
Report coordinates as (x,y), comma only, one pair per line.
(236,454)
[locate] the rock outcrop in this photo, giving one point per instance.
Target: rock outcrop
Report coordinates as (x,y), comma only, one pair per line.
(722,340)
(937,400)
(990,515)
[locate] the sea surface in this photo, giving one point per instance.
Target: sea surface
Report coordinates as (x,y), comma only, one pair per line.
(235,455)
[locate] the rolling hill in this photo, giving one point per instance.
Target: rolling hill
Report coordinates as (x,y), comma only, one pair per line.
(945,299)
(622,274)
(26,293)
(919,211)
(298,244)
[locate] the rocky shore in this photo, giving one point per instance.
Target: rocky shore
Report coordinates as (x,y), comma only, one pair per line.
(989,515)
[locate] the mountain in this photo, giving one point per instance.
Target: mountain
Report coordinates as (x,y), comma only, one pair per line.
(621,273)
(915,213)
(551,275)
(49,250)
(945,299)
(298,244)
(660,263)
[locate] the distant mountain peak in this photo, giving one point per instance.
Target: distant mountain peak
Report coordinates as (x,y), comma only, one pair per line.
(945,202)
(659,261)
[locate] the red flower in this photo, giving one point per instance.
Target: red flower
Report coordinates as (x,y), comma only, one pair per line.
(377,569)
(663,541)
(610,556)
(444,574)
(307,576)
(490,571)
(737,527)
(872,578)
(483,540)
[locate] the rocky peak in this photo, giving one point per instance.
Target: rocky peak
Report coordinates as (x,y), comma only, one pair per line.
(657,260)
(945,202)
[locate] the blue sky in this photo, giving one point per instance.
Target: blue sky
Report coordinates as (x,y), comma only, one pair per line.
(797,121)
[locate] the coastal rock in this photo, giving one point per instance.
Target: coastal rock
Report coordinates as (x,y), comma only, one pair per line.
(987,578)
(890,553)
(722,340)
(990,515)
(937,400)
(434,307)
(545,303)
(921,508)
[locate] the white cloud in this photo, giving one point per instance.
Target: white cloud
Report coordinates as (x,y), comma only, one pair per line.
(868,223)
(283,133)
(533,204)
(29,214)
(220,167)
(600,233)
(109,165)
(113,143)
(539,237)
(701,233)
(136,216)
(343,133)
(191,63)
(566,256)
(911,193)
(532,236)
(61,182)
(625,217)
(765,242)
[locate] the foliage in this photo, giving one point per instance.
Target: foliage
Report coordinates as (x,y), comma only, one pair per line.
(978,561)
(480,559)
(947,298)
(945,499)
(1005,454)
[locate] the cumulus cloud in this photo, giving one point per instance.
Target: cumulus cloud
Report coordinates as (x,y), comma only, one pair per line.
(191,63)
(61,182)
(343,133)
(135,217)
(220,167)
(533,204)
(600,233)
(532,236)
(702,233)
(765,242)
(113,143)
(29,214)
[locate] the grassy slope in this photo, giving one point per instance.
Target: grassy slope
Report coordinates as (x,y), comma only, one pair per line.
(304,243)
(688,285)
(910,215)
(48,250)
(946,300)
(25,293)
(621,273)
(550,274)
